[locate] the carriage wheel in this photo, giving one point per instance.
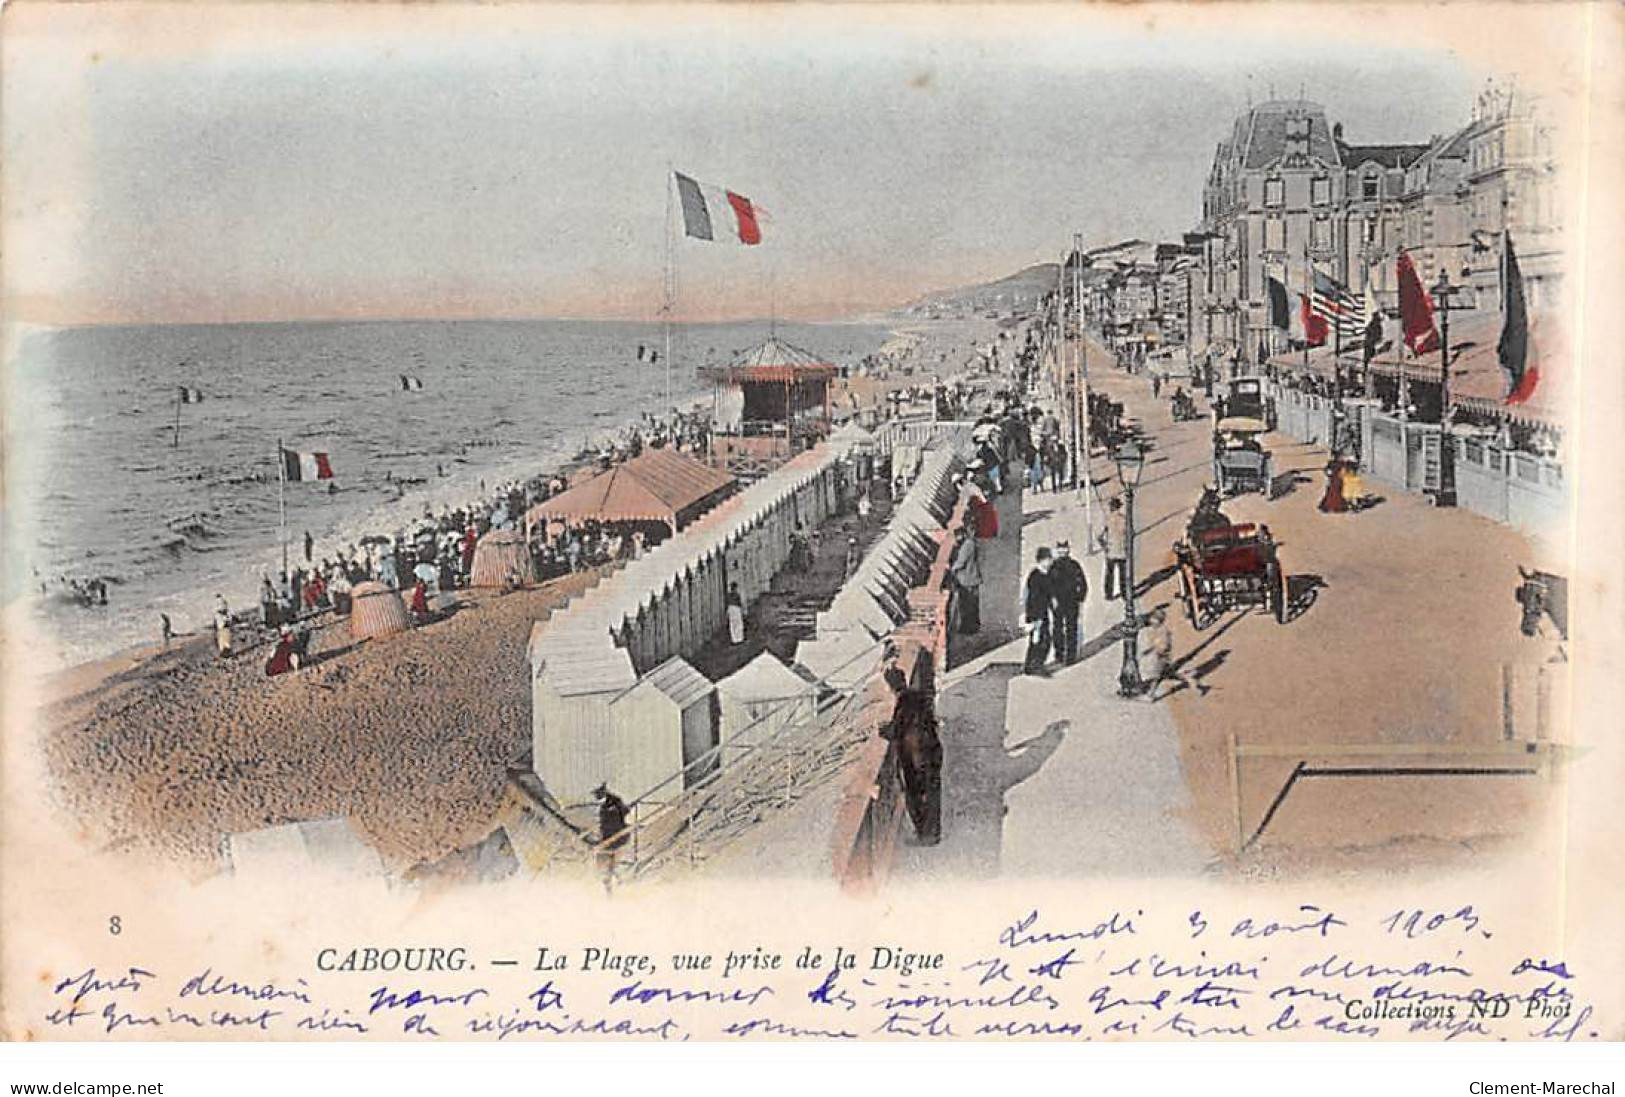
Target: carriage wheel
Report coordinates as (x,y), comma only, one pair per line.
(1278,594)
(1192,593)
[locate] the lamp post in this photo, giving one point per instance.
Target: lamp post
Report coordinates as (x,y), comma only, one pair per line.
(1130,458)
(1444,296)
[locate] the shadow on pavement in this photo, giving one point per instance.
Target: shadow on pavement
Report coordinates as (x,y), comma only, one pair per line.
(979,771)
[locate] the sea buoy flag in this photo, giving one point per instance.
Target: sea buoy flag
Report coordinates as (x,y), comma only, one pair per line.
(190,396)
(712,213)
(411,384)
(306,466)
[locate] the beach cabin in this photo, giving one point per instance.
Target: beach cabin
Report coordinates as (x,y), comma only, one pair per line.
(761,698)
(376,610)
(664,722)
(501,559)
(573,683)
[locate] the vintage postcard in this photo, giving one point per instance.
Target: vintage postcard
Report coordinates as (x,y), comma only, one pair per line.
(812,522)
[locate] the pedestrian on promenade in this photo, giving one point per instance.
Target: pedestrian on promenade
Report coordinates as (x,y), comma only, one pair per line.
(1114,542)
(1154,647)
(612,831)
(1055,461)
(913,734)
(1070,588)
(965,572)
(310,545)
(1038,602)
(1156,386)
(222,627)
(736,615)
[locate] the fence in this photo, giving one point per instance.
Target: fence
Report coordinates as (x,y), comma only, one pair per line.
(1510,486)
(1519,489)
(1303,415)
(1523,702)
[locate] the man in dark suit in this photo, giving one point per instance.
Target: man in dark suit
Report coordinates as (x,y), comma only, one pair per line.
(1069,588)
(1038,601)
(612,831)
(913,734)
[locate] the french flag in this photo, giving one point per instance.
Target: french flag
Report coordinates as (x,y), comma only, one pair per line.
(712,213)
(306,466)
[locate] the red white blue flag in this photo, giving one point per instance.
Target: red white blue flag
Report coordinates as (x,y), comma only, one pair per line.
(306,466)
(712,213)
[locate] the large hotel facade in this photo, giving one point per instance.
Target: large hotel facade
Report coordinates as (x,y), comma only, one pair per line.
(1289,192)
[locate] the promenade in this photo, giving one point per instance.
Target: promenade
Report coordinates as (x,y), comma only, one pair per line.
(1400,621)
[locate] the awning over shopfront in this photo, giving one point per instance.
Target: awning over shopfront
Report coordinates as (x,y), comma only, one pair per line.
(1476,379)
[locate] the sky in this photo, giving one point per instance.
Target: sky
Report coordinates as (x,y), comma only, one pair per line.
(209,164)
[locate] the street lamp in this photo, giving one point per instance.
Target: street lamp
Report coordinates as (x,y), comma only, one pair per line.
(1444,295)
(1130,458)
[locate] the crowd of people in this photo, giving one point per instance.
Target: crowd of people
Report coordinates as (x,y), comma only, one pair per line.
(436,554)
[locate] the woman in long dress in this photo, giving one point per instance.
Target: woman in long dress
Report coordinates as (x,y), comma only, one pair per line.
(222,627)
(736,615)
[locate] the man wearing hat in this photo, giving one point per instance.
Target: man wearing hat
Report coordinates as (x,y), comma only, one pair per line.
(1038,601)
(1070,588)
(612,830)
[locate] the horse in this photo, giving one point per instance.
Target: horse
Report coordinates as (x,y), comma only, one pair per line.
(1543,594)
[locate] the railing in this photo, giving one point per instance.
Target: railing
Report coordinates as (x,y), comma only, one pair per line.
(770,768)
(869,819)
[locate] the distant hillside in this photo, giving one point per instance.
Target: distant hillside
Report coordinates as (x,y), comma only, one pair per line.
(1019,290)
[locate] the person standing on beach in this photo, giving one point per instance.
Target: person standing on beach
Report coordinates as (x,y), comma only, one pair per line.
(310,545)
(222,627)
(267,602)
(736,615)
(169,629)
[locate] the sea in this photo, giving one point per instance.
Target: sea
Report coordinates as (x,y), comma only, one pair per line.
(99,485)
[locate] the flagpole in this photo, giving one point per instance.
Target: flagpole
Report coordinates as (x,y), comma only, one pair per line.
(282,504)
(178,395)
(670,281)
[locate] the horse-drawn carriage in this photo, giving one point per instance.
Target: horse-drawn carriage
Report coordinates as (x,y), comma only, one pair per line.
(1240,461)
(1224,566)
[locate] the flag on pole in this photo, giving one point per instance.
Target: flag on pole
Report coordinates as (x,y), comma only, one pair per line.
(1415,309)
(1315,327)
(1335,305)
(712,213)
(1513,347)
(190,396)
(1280,312)
(411,384)
(306,466)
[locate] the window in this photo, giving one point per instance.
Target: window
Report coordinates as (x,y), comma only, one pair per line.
(1274,192)
(1368,186)
(1320,234)
(1320,190)
(1368,230)
(1275,234)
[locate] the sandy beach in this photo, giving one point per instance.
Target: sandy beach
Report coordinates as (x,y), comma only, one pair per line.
(409,736)
(166,753)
